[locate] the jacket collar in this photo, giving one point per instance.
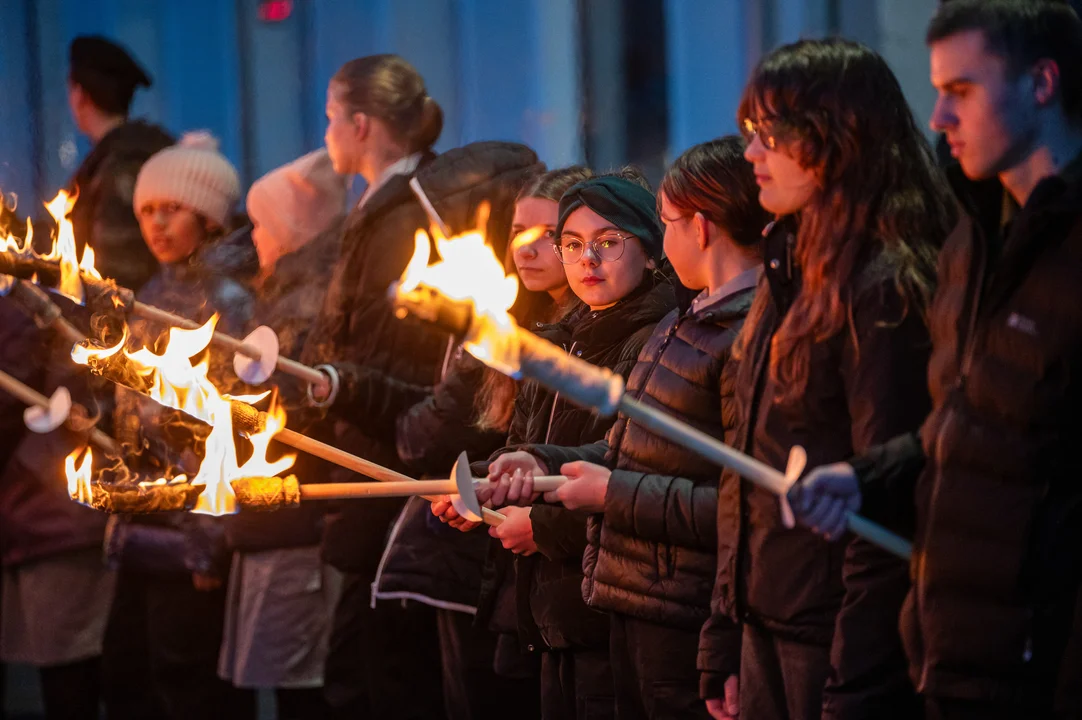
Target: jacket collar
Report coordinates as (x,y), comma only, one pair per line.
(715,306)
(1051,214)
(392,192)
(601,329)
(779,262)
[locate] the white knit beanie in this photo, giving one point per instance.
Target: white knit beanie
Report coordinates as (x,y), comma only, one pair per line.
(191,173)
(293,204)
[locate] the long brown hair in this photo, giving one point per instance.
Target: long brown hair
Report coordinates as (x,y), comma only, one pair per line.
(496,398)
(389,88)
(838,108)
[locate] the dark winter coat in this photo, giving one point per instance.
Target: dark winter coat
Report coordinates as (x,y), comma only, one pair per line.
(996,608)
(864,385)
(160,439)
(288,300)
(549,583)
(424,559)
(651,553)
(103,216)
(37,517)
(357,323)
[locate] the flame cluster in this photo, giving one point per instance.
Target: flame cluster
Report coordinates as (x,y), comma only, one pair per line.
(174,381)
(63,251)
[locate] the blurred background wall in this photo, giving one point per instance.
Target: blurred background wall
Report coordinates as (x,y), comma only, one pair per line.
(602,81)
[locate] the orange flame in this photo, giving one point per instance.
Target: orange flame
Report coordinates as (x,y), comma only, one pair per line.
(175,382)
(79,477)
(70,286)
(468,269)
(62,251)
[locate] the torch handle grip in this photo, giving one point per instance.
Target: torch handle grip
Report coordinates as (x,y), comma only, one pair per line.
(362,466)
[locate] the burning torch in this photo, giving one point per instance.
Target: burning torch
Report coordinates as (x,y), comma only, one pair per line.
(467,294)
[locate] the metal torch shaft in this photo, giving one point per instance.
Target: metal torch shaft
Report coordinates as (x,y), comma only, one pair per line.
(290,367)
(748,467)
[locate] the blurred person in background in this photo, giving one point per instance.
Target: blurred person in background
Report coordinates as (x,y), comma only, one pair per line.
(281,595)
(102,79)
(165,628)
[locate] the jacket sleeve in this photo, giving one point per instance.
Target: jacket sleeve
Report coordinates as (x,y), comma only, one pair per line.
(664,509)
(888,474)
(430,434)
(884,363)
(555,456)
(719,654)
(559,534)
(370,399)
(114,227)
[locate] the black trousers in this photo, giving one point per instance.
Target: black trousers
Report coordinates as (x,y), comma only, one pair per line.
(654,670)
(870,673)
(384,662)
(301,704)
(577,685)
(781,679)
(471,688)
(71,691)
(160,657)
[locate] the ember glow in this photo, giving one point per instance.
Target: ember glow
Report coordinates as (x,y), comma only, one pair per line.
(177,383)
(468,270)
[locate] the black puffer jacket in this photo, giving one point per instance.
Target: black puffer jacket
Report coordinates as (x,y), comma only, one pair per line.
(549,594)
(996,609)
(103,215)
(357,323)
(160,439)
(864,385)
(651,554)
(424,559)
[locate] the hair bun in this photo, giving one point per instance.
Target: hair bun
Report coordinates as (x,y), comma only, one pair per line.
(199,140)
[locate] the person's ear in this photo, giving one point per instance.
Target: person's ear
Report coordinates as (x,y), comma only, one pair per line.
(702,231)
(1045,75)
(362,125)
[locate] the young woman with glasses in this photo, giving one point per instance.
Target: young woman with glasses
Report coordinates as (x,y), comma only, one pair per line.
(610,242)
(832,358)
(650,557)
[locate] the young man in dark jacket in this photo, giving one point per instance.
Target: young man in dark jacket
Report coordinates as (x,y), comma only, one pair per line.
(101,81)
(992,624)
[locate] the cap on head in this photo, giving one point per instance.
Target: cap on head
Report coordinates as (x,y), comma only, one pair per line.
(106,72)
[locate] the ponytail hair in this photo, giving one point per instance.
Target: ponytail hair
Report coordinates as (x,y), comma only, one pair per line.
(387,87)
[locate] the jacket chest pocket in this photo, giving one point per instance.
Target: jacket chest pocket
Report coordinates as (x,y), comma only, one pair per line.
(1022,355)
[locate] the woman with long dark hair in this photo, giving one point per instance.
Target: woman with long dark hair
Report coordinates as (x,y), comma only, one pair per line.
(832,358)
